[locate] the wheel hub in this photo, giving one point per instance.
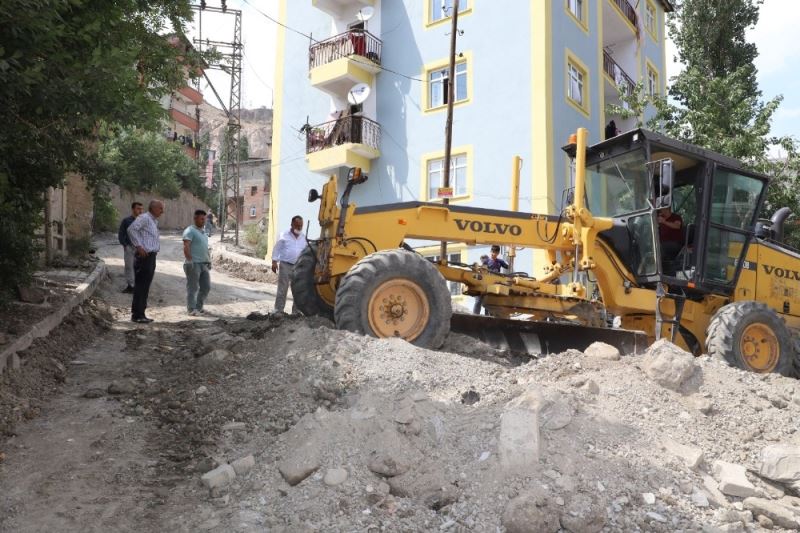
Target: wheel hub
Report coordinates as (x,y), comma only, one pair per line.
(760,348)
(398,308)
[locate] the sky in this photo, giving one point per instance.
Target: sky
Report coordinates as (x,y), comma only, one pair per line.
(779,52)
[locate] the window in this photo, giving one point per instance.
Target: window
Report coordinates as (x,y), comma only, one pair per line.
(458,175)
(454,286)
(577,84)
(442,9)
(252,211)
(578,10)
(253,191)
(438,87)
(652,80)
(651,19)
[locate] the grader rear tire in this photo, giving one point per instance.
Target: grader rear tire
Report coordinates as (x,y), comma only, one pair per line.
(751,336)
(395,293)
(304,288)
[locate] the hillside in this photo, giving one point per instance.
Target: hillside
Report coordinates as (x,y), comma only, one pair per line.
(256,126)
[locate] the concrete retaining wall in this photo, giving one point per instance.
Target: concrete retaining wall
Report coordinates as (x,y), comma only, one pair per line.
(9,358)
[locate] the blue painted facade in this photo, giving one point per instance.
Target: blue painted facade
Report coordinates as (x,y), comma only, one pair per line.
(495,124)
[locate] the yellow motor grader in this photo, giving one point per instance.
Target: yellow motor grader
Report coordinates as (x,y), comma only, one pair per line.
(729,287)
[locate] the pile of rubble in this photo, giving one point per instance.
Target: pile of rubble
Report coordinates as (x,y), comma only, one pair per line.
(382,435)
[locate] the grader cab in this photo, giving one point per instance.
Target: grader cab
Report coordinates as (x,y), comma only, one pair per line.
(662,235)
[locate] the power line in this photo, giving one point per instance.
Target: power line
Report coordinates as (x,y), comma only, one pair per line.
(308,36)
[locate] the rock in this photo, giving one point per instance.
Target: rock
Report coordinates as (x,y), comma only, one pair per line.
(648,498)
(94,393)
(583,515)
(715,497)
(301,463)
(555,412)
(732,480)
(691,456)
(652,515)
(591,387)
(439,497)
(668,365)
(404,415)
(335,476)
(703,405)
(530,513)
(518,446)
(122,386)
(781,515)
(602,350)
(386,465)
(765,522)
(781,462)
(219,477)
(243,465)
(202,389)
(215,357)
(470,397)
(700,498)
(234,426)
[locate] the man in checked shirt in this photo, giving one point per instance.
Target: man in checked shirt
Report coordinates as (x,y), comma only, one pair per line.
(143,233)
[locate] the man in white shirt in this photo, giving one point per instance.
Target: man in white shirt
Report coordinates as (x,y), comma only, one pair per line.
(143,233)
(284,255)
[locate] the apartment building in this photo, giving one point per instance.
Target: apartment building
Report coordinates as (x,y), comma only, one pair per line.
(529,73)
(183,106)
(254,184)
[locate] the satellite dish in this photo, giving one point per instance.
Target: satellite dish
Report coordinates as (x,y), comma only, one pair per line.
(365,13)
(358,94)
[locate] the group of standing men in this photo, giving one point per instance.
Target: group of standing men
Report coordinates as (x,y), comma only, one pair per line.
(141,241)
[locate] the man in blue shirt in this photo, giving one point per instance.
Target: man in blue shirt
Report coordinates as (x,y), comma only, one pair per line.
(493,264)
(197,265)
(129,250)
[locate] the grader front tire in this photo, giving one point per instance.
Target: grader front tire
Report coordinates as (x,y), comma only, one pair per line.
(395,293)
(753,337)
(304,288)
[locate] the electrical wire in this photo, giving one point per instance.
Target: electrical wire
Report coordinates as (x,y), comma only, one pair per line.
(308,36)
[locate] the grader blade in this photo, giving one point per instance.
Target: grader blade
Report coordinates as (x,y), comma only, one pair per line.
(542,338)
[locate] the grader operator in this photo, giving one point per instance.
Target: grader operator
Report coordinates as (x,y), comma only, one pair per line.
(730,288)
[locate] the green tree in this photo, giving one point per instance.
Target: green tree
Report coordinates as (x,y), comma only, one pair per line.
(67,66)
(719,104)
(139,160)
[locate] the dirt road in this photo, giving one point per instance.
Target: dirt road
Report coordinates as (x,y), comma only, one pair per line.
(97,464)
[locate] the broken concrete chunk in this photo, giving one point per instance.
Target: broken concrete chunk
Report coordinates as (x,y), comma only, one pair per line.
(691,456)
(219,477)
(668,365)
(386,465)
(243,465)
(602,350)
(732,480)
(518,446)
(301,463)
(715,497)
(781,462)
(780,515)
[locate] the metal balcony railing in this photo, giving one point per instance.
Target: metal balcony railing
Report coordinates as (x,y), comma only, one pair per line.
(350,43)
(628,10)
(352,129)
(617,74)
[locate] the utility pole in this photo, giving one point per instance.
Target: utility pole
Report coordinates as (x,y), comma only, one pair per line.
(230,63)
(448,131)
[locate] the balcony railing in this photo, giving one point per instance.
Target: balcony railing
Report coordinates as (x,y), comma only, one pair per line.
(350,43)
(352,129)
(616,73)
(628,10)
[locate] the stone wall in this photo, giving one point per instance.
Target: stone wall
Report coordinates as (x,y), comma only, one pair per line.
(178,212)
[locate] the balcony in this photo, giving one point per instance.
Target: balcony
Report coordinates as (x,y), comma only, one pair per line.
(340,8)
(617,76)
(352,141)
(184,119)
(628,11)
(338,63)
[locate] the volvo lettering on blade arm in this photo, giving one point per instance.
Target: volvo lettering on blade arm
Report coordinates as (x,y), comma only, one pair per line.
(781,272)
(479,226)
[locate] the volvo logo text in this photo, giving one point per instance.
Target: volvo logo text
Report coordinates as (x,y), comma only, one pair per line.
(488,227)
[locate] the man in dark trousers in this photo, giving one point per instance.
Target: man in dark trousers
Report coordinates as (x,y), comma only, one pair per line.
(144,235)
(129,252)
(493,264)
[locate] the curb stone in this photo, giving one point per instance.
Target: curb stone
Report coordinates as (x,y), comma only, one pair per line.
(9,358)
